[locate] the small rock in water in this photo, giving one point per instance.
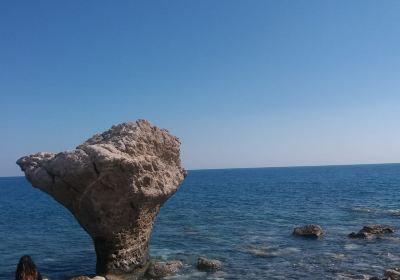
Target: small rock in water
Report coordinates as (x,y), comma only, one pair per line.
(312,231)
(208,264)
(162,269)
(393,274)
(372,231)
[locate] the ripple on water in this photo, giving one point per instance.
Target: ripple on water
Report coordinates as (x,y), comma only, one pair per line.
(364,209)
(214,211)
(270,251)
(351,246)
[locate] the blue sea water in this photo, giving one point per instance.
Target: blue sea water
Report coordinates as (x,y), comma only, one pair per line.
(243,217)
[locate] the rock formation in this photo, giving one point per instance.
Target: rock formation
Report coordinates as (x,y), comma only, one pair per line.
(371,231)
(312,231)
(114,184)
(208,264)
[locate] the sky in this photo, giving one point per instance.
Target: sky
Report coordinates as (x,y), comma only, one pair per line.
(241,83)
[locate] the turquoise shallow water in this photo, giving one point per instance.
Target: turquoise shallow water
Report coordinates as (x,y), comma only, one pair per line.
(243,217)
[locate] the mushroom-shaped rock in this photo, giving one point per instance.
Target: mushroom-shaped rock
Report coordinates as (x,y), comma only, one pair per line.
(311,231)
(114,184)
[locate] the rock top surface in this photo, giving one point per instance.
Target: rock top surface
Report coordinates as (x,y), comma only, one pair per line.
(114,184)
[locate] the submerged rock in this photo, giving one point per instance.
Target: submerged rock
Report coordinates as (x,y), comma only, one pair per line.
(208,264)
(371,231)
(351,276)
(270,252)
(114,184)
(162,269)
(258,251)
(311,231)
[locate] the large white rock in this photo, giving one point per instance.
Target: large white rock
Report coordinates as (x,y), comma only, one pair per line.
(114,184)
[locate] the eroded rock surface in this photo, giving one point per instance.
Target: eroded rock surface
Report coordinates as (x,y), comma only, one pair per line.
(114,184)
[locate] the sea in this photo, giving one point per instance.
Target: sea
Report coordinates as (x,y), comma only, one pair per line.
(243,217)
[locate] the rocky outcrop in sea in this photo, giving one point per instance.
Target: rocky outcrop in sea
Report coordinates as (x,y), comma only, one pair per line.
(114,184)
(371,231)
(310,231)
(208,264)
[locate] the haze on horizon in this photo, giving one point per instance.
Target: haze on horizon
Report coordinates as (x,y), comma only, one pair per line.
(241,83)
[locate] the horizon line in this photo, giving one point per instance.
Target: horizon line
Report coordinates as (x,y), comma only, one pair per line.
(295,166)
(266,167)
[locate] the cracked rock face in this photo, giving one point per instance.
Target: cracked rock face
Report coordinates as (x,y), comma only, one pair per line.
(114,184)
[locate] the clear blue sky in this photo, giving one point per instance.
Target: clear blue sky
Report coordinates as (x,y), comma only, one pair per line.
(242,83)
